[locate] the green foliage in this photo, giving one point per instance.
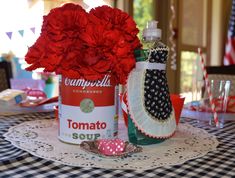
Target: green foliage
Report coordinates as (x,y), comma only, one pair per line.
(49,80)
(143,12)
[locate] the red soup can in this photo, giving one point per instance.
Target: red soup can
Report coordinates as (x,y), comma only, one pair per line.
(87,109)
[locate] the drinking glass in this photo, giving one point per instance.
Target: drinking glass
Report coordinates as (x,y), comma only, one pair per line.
(219,93)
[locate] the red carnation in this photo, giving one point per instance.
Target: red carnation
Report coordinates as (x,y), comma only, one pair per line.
(88,45)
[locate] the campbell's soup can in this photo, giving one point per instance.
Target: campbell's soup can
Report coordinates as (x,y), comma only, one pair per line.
(88,110)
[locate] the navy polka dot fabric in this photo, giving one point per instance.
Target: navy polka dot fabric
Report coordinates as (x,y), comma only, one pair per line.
(156,92)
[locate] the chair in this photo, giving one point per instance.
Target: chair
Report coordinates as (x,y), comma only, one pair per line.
(5,75)
(223,73)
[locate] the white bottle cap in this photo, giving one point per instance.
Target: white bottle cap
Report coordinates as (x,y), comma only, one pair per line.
(151,30)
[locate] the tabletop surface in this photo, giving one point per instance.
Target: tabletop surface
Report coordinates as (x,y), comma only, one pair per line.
(18,163)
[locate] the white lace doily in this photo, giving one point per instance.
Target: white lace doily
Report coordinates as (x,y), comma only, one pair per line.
(40,139)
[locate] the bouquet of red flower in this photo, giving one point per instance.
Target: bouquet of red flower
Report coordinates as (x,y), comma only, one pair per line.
(78,44)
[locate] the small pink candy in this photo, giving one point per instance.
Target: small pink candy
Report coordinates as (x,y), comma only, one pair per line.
(111,147)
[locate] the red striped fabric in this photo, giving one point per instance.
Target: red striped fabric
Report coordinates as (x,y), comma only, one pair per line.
(229,56)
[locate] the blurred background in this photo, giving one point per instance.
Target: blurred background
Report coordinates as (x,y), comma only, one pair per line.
(186,25)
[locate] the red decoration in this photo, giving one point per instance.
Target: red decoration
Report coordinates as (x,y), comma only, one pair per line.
(111,147)
(123,99)
(178,103)
(78,44)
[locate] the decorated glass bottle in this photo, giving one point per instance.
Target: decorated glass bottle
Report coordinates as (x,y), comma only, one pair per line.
(151,117)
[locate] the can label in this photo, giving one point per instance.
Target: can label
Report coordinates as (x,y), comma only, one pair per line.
(87,109)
